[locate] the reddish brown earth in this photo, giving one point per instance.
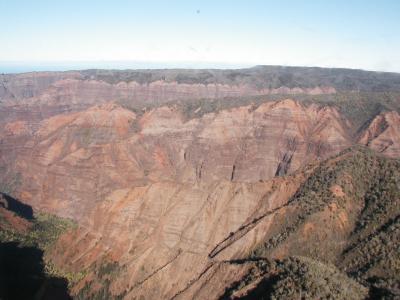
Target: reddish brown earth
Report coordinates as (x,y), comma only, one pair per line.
(167,197)
(383,135)
(9,220)
(82,157)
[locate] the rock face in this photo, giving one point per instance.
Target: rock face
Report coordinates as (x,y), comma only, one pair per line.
(23,240)
(383,134)
(73,160)
(168,202)
(34,97)
(182,241)
(165,230)
(73,88)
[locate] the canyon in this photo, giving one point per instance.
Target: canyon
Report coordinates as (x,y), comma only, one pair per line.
(208,184)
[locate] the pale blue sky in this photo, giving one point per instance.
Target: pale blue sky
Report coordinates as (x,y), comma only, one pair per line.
(120,33)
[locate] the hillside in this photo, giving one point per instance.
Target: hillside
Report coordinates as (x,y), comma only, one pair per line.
(337,236)
(267,182)
(272,77)
(24,239)
(330,230)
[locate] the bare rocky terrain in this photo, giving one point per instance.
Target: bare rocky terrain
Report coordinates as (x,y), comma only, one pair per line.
(260,183)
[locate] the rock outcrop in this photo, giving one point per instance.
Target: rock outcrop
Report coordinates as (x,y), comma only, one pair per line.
(71,161)
(383,134)
(182,241)
(180,200)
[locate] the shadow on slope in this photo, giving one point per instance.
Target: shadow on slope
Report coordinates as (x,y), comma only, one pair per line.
(23,210)
(22,275)
(351,203)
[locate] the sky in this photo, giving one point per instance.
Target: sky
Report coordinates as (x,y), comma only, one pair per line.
(73,34)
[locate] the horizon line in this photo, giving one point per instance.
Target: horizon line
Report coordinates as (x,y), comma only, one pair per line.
(32,66)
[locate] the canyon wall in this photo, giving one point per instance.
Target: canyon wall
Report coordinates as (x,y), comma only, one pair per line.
(163,198)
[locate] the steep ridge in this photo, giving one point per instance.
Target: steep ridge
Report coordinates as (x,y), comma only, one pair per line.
(240,239)
(79,158)
(206,184)
(344,220)
(198,83)
(39,95)
(382,134)
(25,273)
(155,232)
(56,92)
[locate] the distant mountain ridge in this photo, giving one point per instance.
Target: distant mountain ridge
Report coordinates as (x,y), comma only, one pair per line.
(262,77)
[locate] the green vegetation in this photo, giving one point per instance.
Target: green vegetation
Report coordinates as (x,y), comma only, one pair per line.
(85,135)
(296,278)
(9,180)
(105,274)
(368,251)
(360,95)
(358,107)
(88,292)
(371,181)
(24,271)
(304,278)
(271,77)
(44,231)
(71,277)
(47,228)
(107,268)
